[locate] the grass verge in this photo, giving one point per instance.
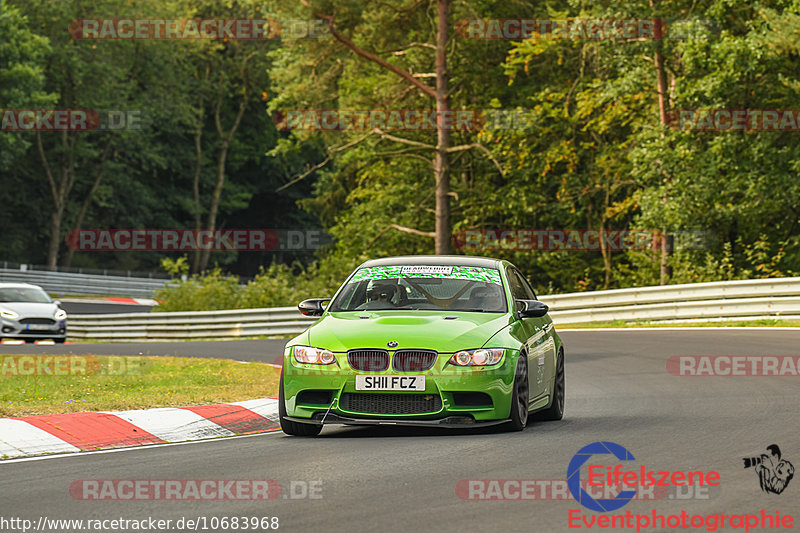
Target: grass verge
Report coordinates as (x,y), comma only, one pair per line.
(39,384)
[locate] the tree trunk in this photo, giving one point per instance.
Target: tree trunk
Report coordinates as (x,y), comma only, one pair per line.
(55,237)
(59,191)
(211,224)
(89,197)
(222,155)
(198,150)
(604,251)
(663,109)
(666,252)
(442,149)
(441,164)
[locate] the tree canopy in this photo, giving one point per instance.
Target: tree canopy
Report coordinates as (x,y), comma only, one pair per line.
(568,133)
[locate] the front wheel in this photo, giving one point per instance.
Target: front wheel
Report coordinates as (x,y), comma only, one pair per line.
(519,396)
(288,426)
(556,409)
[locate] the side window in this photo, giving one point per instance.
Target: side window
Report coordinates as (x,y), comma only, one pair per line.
(527,286)
(517,289)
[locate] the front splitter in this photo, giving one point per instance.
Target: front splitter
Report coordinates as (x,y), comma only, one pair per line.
(455,422)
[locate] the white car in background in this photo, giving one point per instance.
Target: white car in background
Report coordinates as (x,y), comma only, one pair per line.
(27,312)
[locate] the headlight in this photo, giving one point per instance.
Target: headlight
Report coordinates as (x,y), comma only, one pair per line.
(313,356)
(11,315)
(61,314)
(480,357)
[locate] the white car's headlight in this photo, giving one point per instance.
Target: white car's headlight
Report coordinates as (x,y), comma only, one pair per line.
(11,315)
(61,314)
(313,356)
(480,357)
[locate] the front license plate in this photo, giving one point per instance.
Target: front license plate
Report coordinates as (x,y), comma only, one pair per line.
(395,383)
(37,327)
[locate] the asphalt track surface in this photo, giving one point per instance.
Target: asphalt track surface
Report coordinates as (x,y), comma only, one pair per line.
(74,307)
(382,479)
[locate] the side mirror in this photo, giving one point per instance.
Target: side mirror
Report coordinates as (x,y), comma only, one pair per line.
(531,308)
(312,306)
(57,302)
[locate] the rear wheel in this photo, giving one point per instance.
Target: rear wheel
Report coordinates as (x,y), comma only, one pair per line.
(519,396)
(293,428)
(556,409)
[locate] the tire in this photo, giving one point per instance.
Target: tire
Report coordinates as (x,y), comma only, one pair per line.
(519,397)
(556,409)
(293,428)
(60,341)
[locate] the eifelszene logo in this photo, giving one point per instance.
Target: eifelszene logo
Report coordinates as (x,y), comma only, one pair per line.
(574,477)
(774,473)
(600,475)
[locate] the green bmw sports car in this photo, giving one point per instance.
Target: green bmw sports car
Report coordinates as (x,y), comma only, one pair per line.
(443,341)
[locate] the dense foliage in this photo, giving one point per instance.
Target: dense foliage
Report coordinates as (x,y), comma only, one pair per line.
(590,149)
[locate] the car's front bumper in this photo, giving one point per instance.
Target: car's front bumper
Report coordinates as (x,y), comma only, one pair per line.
(16,329)
(455,421)
(443,380)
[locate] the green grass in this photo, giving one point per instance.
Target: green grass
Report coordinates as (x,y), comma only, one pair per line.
(721,323)
(65,384)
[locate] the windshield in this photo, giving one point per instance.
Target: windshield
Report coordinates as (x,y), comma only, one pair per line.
(442,288)
(23,294)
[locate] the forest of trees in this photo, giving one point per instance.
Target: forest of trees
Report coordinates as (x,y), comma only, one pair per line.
(593,144)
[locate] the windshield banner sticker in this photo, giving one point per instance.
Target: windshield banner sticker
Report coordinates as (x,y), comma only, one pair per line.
(419,269)
(485,275)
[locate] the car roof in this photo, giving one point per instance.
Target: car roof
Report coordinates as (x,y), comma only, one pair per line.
(18,286)
(434,260)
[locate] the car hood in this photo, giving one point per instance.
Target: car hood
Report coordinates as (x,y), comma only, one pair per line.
(30,309)
(340,332)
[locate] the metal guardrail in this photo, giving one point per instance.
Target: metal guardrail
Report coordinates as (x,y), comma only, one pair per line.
(74,283)
(744,308)
(189,325)
(745,299)
(750,299)
(745,288)
(85,270)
